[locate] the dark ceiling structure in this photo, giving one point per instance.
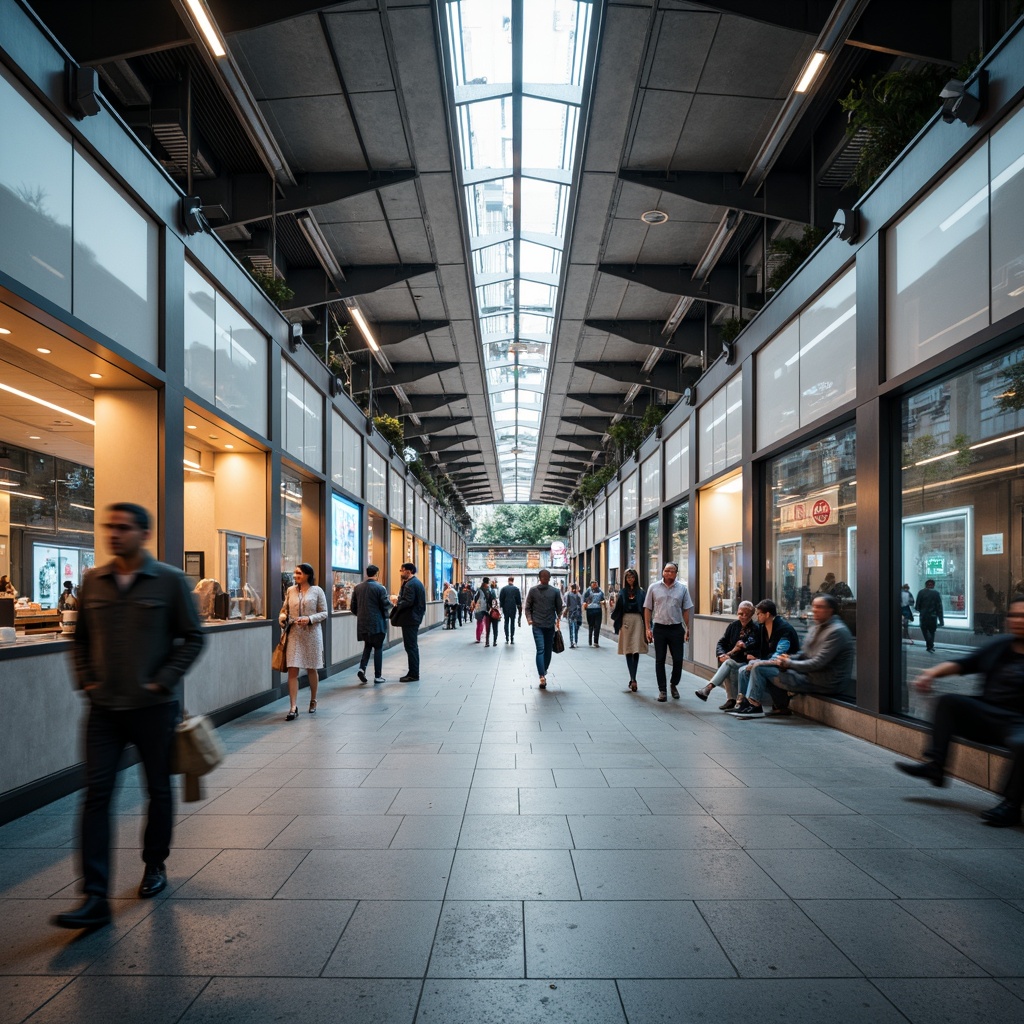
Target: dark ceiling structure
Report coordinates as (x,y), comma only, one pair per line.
(327,146)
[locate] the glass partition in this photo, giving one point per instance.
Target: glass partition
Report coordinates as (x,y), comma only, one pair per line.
(677,462)
(302,414)
(1007,183)
(629,497)
(650,483)
(346,456)
(720,423)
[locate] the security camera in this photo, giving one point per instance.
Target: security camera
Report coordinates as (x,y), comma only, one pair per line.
(958,104)
(846,224)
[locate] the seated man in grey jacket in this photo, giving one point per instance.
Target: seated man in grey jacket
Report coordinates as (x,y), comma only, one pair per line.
(823,665)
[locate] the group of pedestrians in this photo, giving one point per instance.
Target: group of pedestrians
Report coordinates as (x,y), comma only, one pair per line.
(928,604)
(458,599)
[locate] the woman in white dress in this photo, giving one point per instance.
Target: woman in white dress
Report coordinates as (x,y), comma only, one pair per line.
(304,608)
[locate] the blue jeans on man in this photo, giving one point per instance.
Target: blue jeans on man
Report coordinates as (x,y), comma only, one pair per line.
(544,640)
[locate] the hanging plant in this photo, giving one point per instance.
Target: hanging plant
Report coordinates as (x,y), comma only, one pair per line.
(275,288)
(391,429)
(728,330)
(789,254)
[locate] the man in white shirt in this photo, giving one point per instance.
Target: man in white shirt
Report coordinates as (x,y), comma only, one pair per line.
(667,615)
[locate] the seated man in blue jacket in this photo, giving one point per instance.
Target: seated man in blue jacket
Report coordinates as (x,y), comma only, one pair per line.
(775,637)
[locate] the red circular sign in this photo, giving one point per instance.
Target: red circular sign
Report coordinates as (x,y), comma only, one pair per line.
(821,512)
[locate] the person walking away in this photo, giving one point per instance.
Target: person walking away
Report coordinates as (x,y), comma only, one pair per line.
(574,613)
(628,622)
(465,600)
(667,617)
(493,615)
(451,605)
(480,607)
(543,611)
(138,633)
(511,600)
(410,607)
(994,717)
(906,611)
(593,598)
(304,608)
(371,606)
(929,611)
(731,651)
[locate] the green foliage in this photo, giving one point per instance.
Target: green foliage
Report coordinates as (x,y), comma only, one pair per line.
(728,330)
(391,429)
(276,288)
(924,448)
(793,252)
(1012,397)
(891,108)
(591,484)
(335,357)
(521,524)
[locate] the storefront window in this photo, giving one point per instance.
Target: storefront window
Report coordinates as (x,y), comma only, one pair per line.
(629,498)
(721,426)
(397,501)
(720,580)
(652,543)
(677,462)
(601,520)
(376,480)
(1007,170)
(963,496)
(302,417)
(812,516)
(631,549)
(291,526)
(615,510)
(650,483)
(679,538)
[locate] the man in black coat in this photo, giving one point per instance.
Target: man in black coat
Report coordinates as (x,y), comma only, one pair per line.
(410,607)
(929,611)
(996,716)
(511,600)
(371,607)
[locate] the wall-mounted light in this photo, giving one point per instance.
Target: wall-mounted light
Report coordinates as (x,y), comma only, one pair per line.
(847,225)
(811,69)
(729,351)
(961,103)
(690,396)
(83,91)
(294,337)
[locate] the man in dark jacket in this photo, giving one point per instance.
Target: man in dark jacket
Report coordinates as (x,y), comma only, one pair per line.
(511,601)
(775,636)
(739,636)
(410,607)
(138,632)
(929,613)
(995,717)
(371,607)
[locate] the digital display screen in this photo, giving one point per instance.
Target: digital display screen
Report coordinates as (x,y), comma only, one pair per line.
(345,534)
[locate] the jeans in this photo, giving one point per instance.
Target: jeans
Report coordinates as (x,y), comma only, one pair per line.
(375,644)
(411,640)
(107,733)
(574,632)
(726,676)
(544,640)
(510,627)
(973,719)
(668,638)
(594,627)
(760,679)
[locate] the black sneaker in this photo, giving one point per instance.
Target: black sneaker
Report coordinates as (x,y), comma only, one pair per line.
(750,711)
(779,713)
(361,676)
(924,770)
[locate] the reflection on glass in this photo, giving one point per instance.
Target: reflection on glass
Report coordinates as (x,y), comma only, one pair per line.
(1007,170)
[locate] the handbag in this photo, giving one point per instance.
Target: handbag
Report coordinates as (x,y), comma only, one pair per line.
(277,659)
(496,614)
(557,643)
(197,750)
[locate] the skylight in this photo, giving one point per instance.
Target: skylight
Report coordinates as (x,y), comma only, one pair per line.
(517,70)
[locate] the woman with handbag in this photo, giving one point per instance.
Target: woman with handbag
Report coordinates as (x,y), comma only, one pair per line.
(628,623)
(304,608)
(480,607)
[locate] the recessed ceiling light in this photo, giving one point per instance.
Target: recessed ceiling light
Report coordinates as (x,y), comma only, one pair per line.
(213,437)
(191,426)
(34,437)
(96,376)
(44,351)
(229,446)
(654,217)
(3,330)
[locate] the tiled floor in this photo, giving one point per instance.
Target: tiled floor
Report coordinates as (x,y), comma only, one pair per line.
(470,848)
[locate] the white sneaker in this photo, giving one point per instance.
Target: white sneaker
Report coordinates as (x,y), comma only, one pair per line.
(379,679)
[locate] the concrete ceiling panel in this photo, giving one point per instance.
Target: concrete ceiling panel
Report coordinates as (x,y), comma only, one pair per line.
(723,133)
(453,281)
(401,201)
(625,33)
(363,207)
(642,303)
(624,240)
(429,303)
(315,133)
(675,242)
(381,125)
(362,53)
(444,221)
(394,303)
(576,297)
(663,116)
(361,242)
(750,58)
(287,59)
(596,192)
(681,50)
(608,298)
(411,239)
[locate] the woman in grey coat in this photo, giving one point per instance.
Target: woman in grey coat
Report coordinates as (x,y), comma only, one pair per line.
(304,608)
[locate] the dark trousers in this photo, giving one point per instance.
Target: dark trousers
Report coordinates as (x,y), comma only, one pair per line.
(373,644)
(972,719)
(668,638)
(928,627)
(632,663)
(411,640)
(510,626)
(463,613)
(450,612)
(593,626)
(544,640)
(491,629)
(107,733)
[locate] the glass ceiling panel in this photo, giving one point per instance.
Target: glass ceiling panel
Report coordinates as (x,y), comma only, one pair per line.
(517,193)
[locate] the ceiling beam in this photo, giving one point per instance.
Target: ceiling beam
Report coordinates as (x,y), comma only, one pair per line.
(784,195)
(673,279)
(808,17)
(596,424)
(388,403)
(395,332)
(458,456)
(609,403)
(402,373)
(591,442)
(437,442)
(435,424)
(663,376)
(688,337)
(312,287)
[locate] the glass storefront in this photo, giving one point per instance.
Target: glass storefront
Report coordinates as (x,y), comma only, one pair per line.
(812,528)
(963,506)
(720,579)
(679,538)
(652,546)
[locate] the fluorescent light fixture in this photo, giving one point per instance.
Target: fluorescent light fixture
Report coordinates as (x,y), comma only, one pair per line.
(84,508)
(318,243)
(31,497)
(10,483)
(400,394)
(652,360)
(632,393)
(201,16)
(811,70)
(677,314)
(364,328)
(719,240)
(995,440)
(191,464)
(48,405)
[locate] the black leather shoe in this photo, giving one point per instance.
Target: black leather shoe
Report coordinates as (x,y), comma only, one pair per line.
(925,770)
(153,881)
(93,913)
(361,676)
(409,679)
(1003,815)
